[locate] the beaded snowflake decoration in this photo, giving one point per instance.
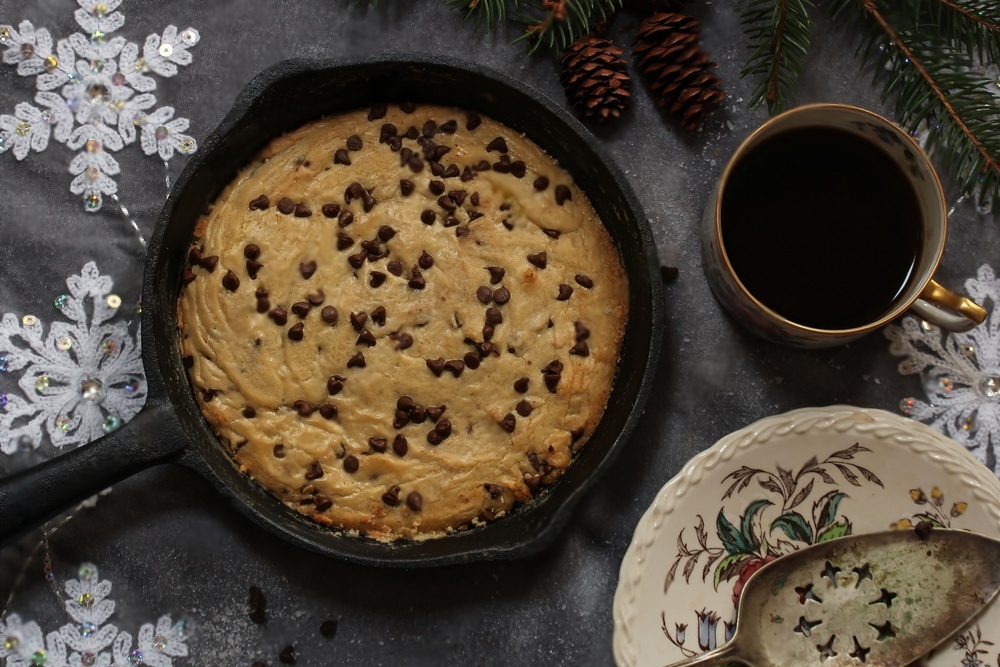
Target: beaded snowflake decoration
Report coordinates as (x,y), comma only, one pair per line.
(961,373)
(81,380)
(104,98)
(89,641)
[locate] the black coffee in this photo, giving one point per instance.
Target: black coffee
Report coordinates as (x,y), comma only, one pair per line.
(822,227)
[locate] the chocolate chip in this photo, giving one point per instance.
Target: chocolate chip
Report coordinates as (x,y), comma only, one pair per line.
(415,501)
(251,251)
(377,111)
(563,194)
(407,107)
(446,203)
(552,233)
(354,142)
(249,412)
(358,320)
(330,210)
(307,269)
(187,276)
(449,127)
(287,655)
(253,268)
(395,143)
(263,304)
(391,497)
(345,218)
(208,395)
(581,331)
(508,422)
(472,121)
(367,338)
(550,323)
(565,292)
(335,384)
(539,260)
(314,471)
(279,451)
(551,381)
(303,408)
(188,361)
(328,628)
(443,427)
(378,444)
(495,490)
(458,196)
(554,366)
(328,411)
(467,175)
(385,132)
(194,256)
(373,247)
(417,281)
(399,445)
(518,169)
(485,349)
(353,191)
(286,205)
(471,360)
(436,365)
(437,169)
(496,274)
(524,408)
(509,226)
(484,294)
(351,463)
(368,202)
(415,164)
(357,260)
(502,166)
(406,187)
(584,281)
(451,172)
(434,437)
(209,263)
(501,296)
(295,332)
(317,298)
(541,183)
(279,315)
(301,308)
(404,341)
(493,316)
(322,503)
(261,203)
(395,267)
(376,279)
(581,349)
(385,232)
(668,274)
(436,187)
(340,156)
(427,216)
(576,434)
(474,215)
(497,144)
(400,419)
(230,281)
(357,361)
(411,133)
(430,129)
(455,367)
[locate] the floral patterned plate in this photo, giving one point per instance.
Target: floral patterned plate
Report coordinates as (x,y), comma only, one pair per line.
(776,486)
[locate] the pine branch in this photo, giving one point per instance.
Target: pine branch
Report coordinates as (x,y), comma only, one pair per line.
(779,37)
(933,81)
(485,12)
(973,25)
(555,24)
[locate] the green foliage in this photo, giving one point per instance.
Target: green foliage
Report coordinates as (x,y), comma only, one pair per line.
(485,12)
(924,54)
(555,24)
(778,31)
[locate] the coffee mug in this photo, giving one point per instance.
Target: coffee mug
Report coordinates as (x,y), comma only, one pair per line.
(828,222)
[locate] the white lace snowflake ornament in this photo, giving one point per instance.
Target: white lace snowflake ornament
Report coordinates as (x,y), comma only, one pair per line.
(105,95)
(89,642)
(961,373)
(82,380)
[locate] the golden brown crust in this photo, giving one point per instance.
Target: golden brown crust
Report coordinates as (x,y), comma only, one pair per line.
(242,358)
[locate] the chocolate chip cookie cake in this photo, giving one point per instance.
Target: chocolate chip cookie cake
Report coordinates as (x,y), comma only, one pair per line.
(402,321)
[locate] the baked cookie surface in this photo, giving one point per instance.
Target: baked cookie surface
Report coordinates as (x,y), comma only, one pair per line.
(402,321)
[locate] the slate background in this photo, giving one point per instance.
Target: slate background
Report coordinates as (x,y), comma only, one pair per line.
(168,542)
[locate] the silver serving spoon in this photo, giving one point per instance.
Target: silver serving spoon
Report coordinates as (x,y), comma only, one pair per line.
(879,599)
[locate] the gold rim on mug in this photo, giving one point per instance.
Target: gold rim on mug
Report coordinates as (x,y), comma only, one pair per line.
(932,292)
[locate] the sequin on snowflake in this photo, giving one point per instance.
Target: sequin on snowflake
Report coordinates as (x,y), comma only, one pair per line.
(103,81)
(114,301)
(70,396)
(90,639)
(29,320)
(961,373)
(61,301)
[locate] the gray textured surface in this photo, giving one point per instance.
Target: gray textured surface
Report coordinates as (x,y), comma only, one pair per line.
(169,543)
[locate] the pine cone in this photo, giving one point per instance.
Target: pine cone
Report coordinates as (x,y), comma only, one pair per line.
(666,50)
(596,78)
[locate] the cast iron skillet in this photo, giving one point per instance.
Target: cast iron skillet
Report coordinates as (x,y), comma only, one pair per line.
(171,428)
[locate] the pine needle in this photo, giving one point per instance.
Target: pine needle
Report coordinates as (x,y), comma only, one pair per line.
(779,35)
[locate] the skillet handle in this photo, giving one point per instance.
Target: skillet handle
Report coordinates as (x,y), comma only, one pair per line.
(31,497)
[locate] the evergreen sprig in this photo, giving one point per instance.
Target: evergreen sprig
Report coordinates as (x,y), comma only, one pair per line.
(556,24)
(486,12)
(779,36)
(926,54)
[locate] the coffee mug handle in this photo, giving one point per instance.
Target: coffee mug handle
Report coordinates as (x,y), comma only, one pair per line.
(947,309)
